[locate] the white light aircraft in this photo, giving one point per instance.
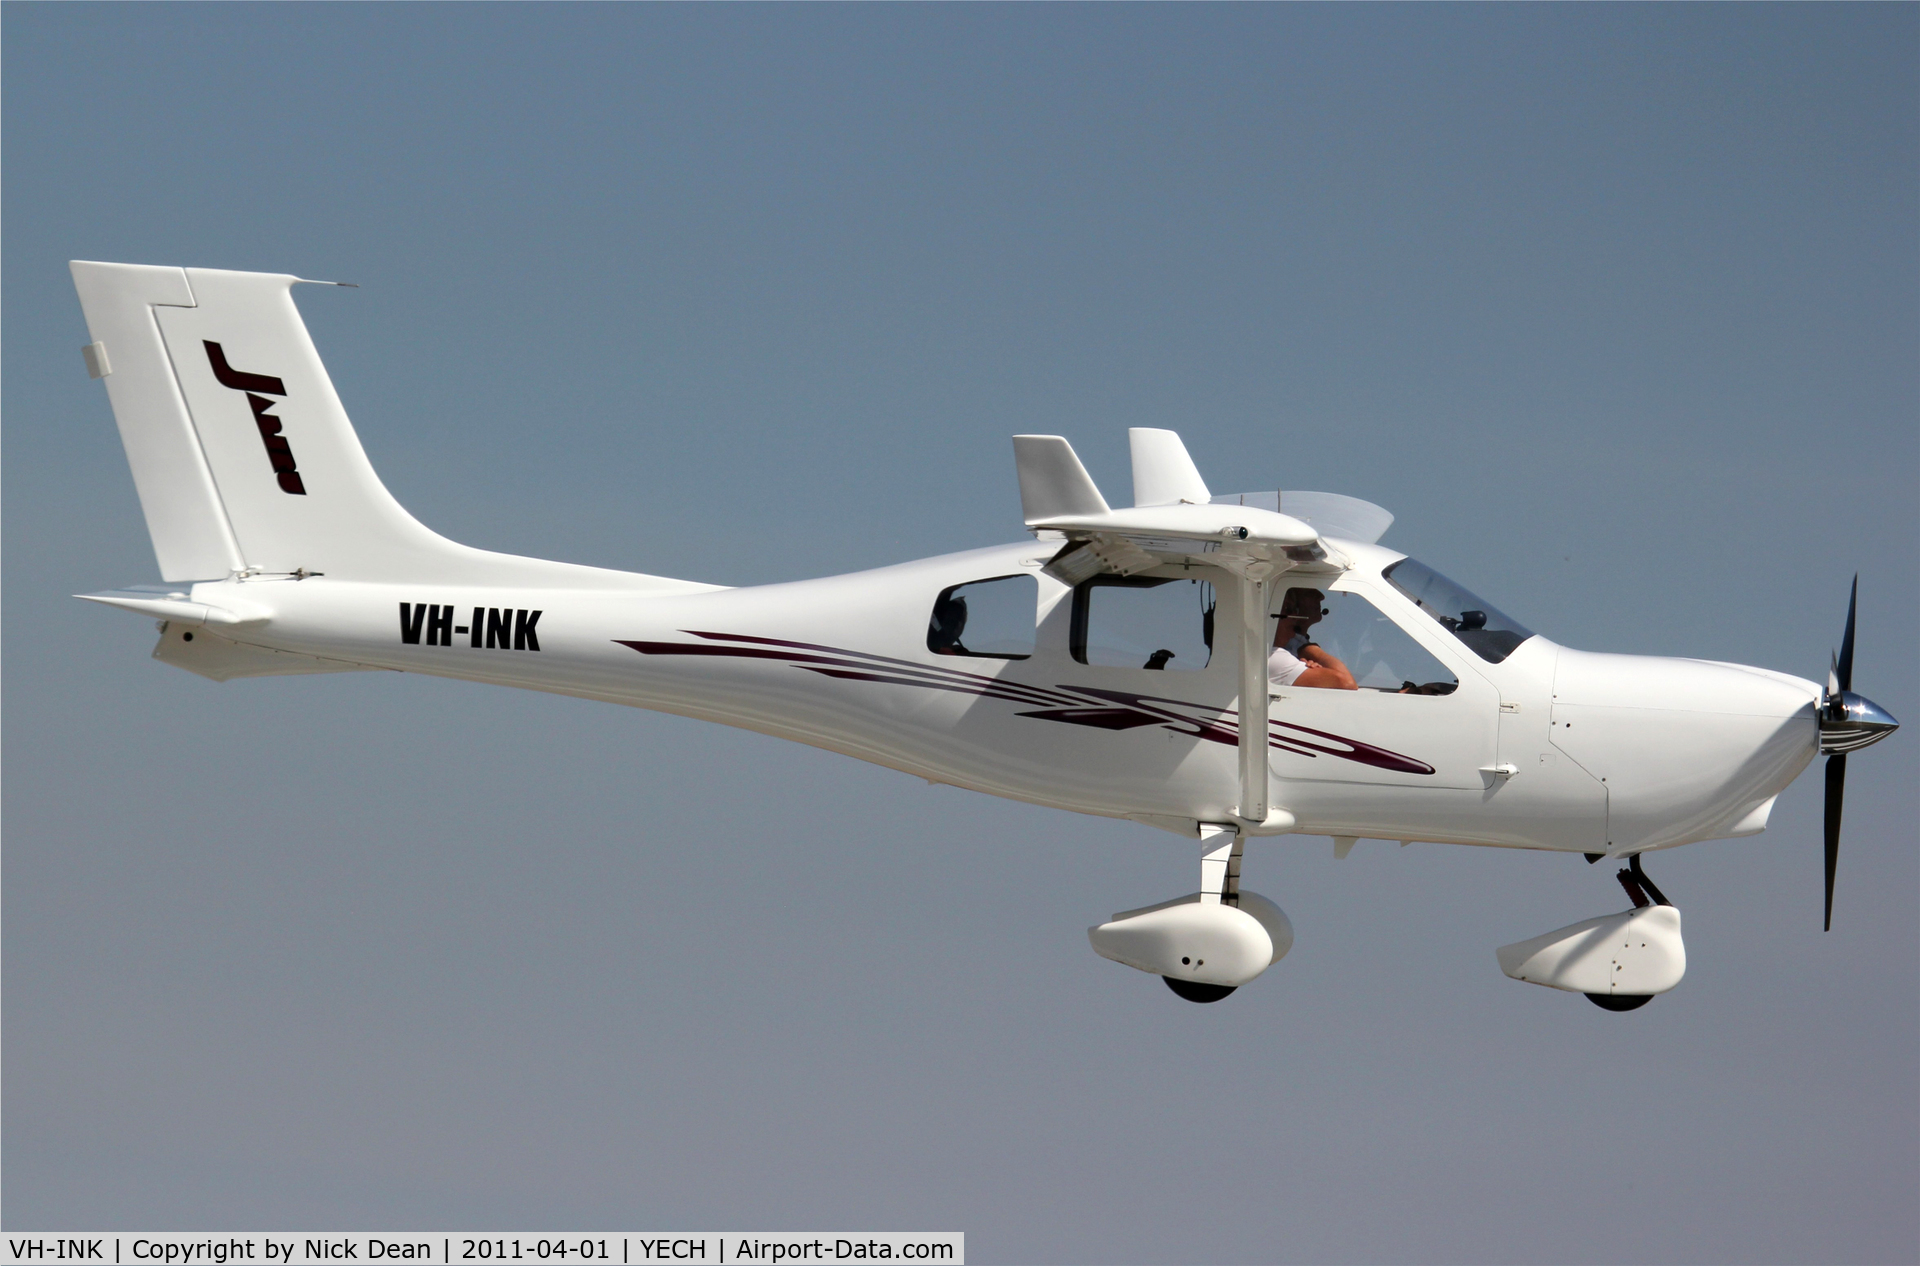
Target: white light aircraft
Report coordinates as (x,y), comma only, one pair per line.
(1115,664)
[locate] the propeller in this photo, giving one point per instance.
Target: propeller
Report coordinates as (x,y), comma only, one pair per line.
(1847,722)
(1836,799)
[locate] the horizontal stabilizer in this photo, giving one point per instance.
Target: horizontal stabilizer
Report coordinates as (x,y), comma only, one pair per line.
(175,605)
(1053,483)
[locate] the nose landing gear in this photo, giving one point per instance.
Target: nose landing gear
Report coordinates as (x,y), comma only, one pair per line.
(1640,889)
(1619,961)
(1643,893)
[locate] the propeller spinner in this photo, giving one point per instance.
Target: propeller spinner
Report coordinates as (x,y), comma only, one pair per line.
(1848,722)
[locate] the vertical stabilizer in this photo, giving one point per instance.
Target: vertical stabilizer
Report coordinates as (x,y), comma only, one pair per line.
(297,487)
(243,455)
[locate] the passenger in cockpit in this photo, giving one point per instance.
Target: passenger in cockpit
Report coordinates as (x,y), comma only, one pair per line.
(1297,660)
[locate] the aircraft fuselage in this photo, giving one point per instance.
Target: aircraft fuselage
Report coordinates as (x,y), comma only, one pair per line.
(1549,748)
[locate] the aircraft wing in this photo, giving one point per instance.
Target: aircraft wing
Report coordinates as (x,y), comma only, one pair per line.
(1329,513)
(1057,495)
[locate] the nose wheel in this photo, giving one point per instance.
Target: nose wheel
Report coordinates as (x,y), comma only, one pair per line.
(1643,893)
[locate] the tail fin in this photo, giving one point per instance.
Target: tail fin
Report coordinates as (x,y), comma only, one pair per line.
(243,456)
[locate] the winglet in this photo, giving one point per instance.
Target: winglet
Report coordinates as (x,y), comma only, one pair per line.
(1163,474)
(1053,483)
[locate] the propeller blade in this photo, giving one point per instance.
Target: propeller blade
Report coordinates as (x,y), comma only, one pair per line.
(1836,793)
(1844,669)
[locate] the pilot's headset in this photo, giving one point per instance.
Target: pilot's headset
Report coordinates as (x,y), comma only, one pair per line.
(1302,605)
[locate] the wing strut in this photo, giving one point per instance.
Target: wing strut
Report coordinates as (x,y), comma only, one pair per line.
(1254,591)
(1220,850)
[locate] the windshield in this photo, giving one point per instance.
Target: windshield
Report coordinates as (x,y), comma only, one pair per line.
(1486,631)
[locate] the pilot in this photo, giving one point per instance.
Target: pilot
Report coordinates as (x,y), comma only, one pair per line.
(1296,659)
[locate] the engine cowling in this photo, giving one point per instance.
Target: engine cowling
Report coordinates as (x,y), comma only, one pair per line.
(1205,943)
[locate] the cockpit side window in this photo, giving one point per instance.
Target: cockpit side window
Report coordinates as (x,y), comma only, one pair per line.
(1143,622)
(1483,628)
(986,619)
(1376,651)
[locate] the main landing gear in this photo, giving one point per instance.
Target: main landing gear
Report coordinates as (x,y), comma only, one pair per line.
(1194,991)
(1205,944)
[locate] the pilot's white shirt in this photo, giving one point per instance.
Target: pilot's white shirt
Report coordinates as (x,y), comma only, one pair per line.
(1283,666)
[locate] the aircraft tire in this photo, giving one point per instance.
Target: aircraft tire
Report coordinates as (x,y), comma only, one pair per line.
(1619,1001)
(1194,991)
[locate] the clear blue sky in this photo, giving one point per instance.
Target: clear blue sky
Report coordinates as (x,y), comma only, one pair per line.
(1614,306)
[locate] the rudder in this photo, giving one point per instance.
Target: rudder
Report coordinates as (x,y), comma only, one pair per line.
(191,536)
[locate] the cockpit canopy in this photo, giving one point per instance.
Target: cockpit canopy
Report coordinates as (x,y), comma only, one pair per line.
(1483,628)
